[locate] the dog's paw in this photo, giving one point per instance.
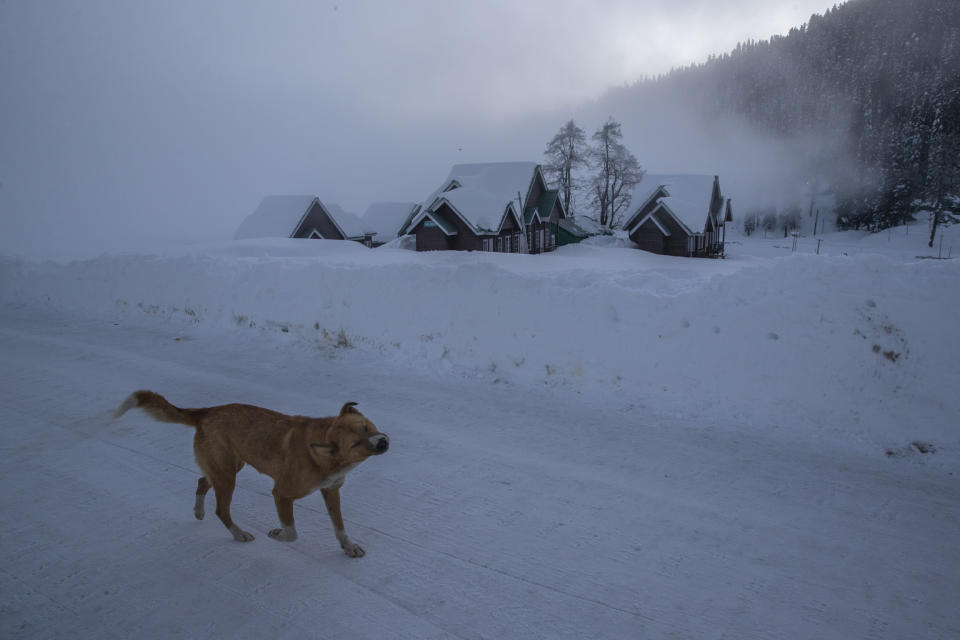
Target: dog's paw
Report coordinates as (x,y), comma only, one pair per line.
(349,547)
(286,534)
(240,535)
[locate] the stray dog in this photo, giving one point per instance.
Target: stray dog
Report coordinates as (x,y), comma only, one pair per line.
(301,454)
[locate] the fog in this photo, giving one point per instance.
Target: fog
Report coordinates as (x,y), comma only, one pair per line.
(668,134)
(132,126)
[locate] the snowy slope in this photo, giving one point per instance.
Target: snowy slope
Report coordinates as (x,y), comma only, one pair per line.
(592,443)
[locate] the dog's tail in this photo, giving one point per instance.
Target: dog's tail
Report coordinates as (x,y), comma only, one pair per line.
(159,409)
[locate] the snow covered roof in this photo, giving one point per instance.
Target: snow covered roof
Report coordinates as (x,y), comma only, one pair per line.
(275,217)
(281,216)
(482,193)
(573,228)
(689,197)
(386,218)
(349,224)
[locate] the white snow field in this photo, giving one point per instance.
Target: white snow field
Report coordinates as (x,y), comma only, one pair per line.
(594,443)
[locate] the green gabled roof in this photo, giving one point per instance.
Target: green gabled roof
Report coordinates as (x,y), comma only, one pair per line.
(544,206)
(546,202)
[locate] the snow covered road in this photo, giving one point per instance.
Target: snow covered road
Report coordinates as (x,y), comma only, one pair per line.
(500,511)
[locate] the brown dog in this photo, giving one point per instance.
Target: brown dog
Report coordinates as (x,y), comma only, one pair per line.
(301,454)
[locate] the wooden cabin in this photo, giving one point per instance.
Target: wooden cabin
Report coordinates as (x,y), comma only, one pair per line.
(302,217)
(498,206)
(679,215)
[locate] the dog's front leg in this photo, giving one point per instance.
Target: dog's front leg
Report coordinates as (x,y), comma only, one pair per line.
(332,499)
(288,532)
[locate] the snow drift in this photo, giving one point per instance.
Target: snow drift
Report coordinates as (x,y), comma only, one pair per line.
(858,348)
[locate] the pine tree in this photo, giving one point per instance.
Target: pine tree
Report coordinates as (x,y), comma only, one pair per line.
(768,222)
(941,193)
(790,219)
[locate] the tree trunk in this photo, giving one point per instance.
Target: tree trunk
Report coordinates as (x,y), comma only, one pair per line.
(933,227)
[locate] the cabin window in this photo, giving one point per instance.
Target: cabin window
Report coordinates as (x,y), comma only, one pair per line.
(506,244)
(499,243)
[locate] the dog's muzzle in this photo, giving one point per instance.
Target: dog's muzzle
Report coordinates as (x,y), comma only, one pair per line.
(379,442)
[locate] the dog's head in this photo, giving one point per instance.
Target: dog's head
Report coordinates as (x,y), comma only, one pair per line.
(351,438)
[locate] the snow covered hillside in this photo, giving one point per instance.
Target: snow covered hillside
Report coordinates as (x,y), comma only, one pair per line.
(597,442)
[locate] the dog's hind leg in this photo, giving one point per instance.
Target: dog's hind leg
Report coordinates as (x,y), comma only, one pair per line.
(288,532)
(221,474)
(203,485)
(332,499)
(223,489)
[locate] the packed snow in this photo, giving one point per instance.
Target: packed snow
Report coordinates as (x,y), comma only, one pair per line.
(596,442)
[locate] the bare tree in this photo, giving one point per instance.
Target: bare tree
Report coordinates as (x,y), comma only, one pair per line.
(566,153)
(617,172)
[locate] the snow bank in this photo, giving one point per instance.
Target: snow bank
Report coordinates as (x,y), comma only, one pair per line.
(858,349)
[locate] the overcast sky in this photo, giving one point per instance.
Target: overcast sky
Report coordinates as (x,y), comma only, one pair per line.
(136,123)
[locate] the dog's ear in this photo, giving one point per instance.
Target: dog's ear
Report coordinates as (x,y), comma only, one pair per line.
(321,450)
(349,408)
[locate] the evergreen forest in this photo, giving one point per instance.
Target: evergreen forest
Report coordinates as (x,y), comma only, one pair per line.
(873,84)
